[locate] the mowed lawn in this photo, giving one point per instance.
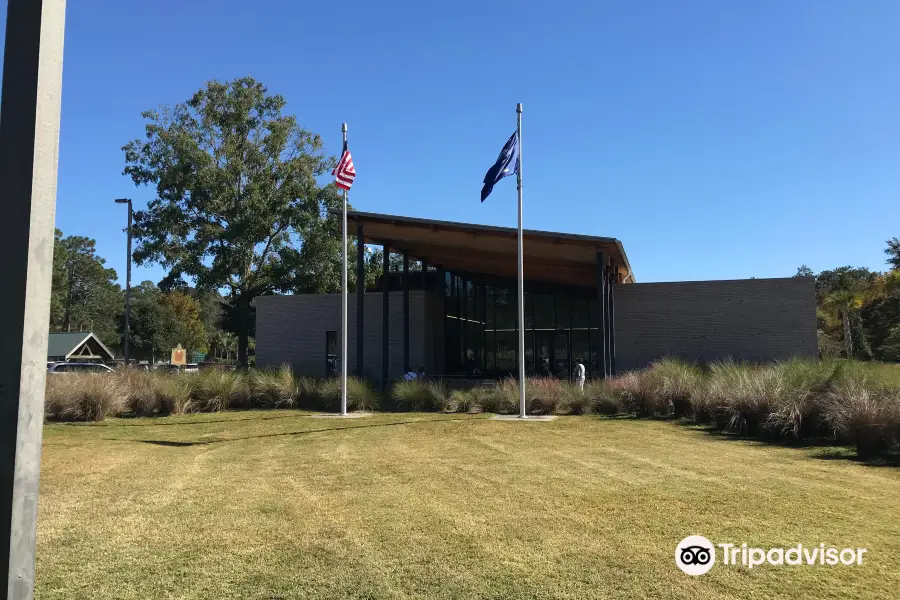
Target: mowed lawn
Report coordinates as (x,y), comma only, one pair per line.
(277,505)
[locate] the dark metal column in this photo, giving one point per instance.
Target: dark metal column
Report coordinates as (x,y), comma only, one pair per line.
(606,320)
(612,321)
(601,296)
(360,297)
(440,341)
(29,145)
(385,314)
(405,312)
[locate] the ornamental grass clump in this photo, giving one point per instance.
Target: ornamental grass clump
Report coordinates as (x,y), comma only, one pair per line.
(274,388)
(216,390)
(84,397)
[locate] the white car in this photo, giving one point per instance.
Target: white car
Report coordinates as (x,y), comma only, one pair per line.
(75,367)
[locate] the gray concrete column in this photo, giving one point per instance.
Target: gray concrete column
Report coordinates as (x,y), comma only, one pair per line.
(29,148)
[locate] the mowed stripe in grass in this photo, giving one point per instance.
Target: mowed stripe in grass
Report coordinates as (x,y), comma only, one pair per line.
(280,505)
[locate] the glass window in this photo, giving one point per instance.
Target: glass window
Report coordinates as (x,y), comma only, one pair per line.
(474,348)
(331,352)
(596,348)
(581,318)
(563,312)
(561,355)
(505,308)
(544,317)
(580,345)
(490,348)
(529,352)
(529,311)
(489,307)
(506,352)
(453,340)
(595,313)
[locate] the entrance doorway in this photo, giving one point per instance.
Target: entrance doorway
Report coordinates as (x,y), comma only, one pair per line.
(553,351)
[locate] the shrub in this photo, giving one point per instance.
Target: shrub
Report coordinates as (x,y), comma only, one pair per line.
(139,391)
(673,384)
(543,395)
(418,395)
(863,407)
(276,388)
(465,401)
(739,395)
(217,390)
(503,398)
(576,402)
(440,396)
(799,391)
(603,398)
(308,393)
(637,394)
(360,395)
(84,397)
(173,393)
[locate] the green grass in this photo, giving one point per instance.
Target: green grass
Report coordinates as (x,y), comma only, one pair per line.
(275,504)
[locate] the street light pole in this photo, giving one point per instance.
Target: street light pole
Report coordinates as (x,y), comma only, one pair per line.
(127,278)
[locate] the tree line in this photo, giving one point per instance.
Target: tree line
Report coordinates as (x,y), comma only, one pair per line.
(86,296)
(858,310)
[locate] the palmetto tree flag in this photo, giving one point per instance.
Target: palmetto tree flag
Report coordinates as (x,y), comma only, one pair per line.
(507,164)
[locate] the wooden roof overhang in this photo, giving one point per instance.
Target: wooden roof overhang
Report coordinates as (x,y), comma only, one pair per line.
(484,249)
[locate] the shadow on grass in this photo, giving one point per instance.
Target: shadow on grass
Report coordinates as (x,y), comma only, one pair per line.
(289,433)
(171,443)
(879,461)
(831,449)
(201,422)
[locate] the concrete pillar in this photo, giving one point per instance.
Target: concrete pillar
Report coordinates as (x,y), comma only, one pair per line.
(29,148)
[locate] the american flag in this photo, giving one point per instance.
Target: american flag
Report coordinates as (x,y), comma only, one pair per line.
(344,173)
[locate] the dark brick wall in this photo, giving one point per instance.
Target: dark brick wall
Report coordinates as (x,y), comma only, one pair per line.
(749,319)
(291,329)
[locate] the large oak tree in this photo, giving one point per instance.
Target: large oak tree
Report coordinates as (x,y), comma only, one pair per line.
(238,206)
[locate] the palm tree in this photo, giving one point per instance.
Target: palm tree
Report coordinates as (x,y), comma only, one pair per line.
(842,304)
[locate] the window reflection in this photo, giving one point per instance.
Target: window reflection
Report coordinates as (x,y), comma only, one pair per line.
(481,318)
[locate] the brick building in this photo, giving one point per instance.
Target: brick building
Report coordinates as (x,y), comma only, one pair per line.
(452,309)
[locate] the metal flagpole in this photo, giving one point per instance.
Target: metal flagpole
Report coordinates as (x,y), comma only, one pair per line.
(344,294)
(521,296)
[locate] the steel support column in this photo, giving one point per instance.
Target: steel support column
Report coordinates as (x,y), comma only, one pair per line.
(385,314)
(612,320)
(406,364)
(360,298)
(601,296)
(607,322)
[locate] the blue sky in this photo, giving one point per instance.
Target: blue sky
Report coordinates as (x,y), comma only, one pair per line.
(717,140)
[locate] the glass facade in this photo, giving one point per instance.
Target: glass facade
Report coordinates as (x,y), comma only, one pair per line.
(480,328)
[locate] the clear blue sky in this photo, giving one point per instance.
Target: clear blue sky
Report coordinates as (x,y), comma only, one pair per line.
(715,139)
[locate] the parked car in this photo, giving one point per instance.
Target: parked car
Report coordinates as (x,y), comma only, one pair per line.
(75,367)
(192,368)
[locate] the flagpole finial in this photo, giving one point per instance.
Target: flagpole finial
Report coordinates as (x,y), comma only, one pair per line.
(344,126)
(519,107)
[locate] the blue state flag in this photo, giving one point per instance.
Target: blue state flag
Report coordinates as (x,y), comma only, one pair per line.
(507,164)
